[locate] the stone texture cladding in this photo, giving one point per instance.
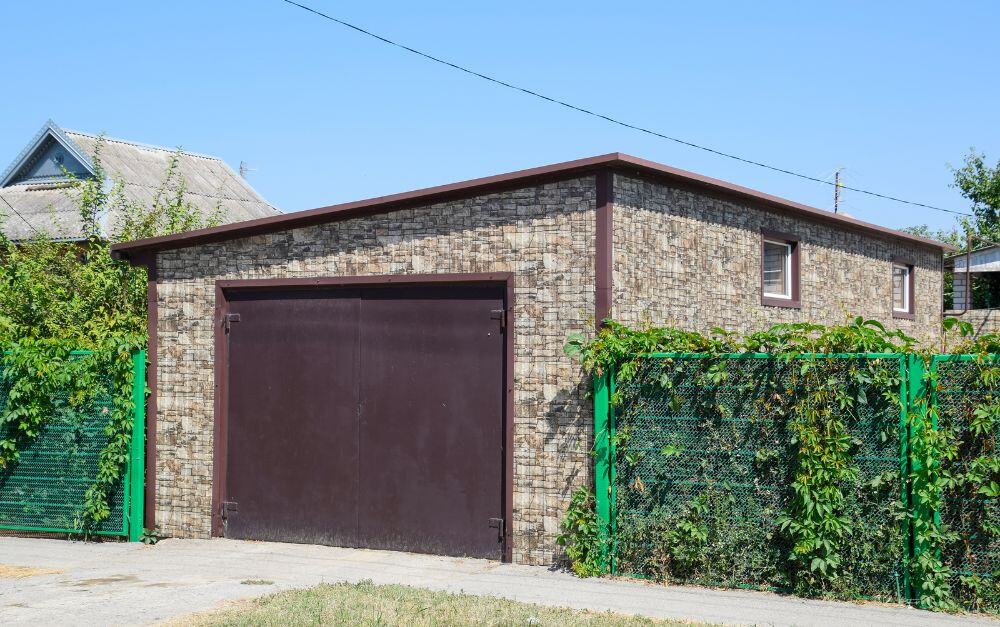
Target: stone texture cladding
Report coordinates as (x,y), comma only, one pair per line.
(983,321)
(693,260)
(544,235)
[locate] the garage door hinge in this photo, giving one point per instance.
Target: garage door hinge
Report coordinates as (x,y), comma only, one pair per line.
(229,319)
(501,315)
(497,523)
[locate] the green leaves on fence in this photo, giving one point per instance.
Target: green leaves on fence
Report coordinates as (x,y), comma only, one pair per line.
(823,452)
(46,380)
(585,541)
(804,458)
(956,473)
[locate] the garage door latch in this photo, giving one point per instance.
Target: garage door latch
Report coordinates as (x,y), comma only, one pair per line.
(229,507)
(229,319)
(497,523)
(501,315)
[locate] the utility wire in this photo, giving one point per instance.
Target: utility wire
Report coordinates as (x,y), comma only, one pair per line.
(608,118)
(18,213)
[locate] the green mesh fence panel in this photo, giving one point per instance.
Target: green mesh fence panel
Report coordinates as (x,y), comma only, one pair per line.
(975,556)
(44,490)
(703,467)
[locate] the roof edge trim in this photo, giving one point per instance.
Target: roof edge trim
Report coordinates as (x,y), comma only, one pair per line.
(385,204)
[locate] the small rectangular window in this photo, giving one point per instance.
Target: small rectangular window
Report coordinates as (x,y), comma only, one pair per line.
(902,290)
(779,270)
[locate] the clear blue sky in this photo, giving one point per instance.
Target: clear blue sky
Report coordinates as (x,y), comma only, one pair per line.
(891,91)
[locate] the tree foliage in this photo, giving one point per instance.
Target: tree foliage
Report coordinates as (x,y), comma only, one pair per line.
(57,297)
(979,183)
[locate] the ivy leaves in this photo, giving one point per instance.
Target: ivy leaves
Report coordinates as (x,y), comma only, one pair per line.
(58,297)
(832,528)
(823,465)
(622,347)
(956,474)
(586,547)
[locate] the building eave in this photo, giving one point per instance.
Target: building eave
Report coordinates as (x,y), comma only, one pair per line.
(618,162)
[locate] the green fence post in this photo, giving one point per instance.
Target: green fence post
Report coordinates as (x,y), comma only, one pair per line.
(612,473)
(603,461)
(906,402)
(137,453)
(917,414)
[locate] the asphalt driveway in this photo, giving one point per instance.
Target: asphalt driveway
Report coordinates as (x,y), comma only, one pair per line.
(117,583)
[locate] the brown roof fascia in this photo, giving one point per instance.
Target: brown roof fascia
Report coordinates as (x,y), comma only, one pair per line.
(629,164)
(491,184)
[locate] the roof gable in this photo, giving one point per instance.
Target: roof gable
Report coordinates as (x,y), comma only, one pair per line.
(50,156)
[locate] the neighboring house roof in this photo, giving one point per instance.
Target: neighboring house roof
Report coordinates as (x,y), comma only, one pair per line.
(37,186)
(986,259)
(618,162)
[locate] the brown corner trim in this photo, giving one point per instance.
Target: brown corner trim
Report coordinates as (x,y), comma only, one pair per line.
(152,378)
(603,241)
(152,319)
(795,302)
(220,433)
(220,441)
(508,419)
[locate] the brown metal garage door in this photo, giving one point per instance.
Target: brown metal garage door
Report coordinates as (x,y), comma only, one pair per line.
(368,417)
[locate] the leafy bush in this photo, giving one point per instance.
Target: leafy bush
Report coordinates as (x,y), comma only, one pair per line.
(56,297)
(581,536)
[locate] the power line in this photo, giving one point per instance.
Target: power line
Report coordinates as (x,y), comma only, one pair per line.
(608,118)
(18,213)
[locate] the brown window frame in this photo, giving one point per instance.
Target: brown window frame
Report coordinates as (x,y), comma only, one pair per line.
(794,301)
(911,300)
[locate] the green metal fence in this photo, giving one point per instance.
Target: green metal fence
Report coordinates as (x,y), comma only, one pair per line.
(44,491)
(699,447)
(974,556)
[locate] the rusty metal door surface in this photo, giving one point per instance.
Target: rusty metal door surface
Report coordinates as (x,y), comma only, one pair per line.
(432,420)
(368,417)
(292,467)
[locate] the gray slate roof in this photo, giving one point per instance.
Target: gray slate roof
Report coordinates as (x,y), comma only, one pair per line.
(49,205)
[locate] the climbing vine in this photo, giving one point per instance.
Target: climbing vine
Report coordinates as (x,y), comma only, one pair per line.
(58,299)
(585,545)
(773,460)
(956,476)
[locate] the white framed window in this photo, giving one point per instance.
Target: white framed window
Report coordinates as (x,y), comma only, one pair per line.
(777,269)
(902,288)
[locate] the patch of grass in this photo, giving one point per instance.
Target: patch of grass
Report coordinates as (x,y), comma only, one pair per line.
(368,604)
(20,572)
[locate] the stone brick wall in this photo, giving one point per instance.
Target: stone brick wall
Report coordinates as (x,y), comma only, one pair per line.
(982,320)
(544,235)
(693,260)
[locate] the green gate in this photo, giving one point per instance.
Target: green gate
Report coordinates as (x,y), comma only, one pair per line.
(693,446)
(44,491)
